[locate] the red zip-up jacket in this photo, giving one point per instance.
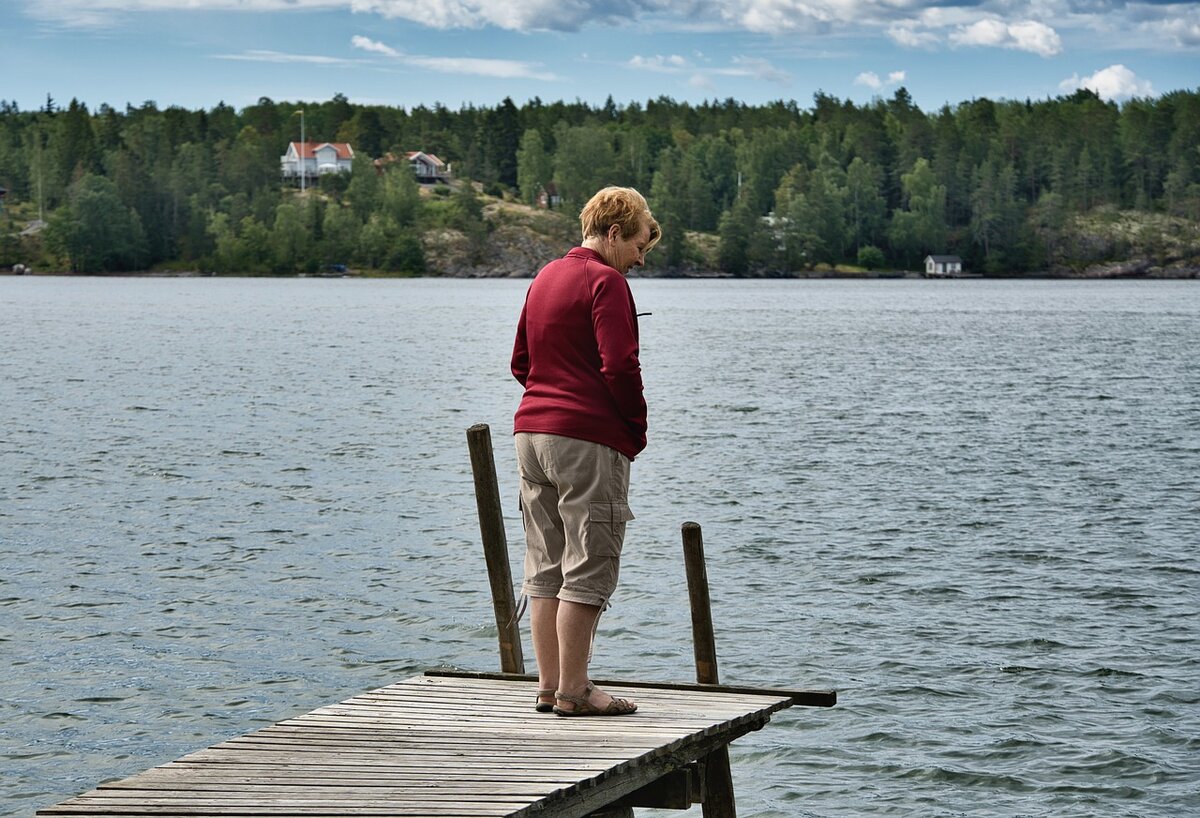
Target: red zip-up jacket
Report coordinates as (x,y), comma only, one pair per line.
(576,354)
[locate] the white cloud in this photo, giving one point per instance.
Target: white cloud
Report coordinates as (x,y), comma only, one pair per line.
(519,15)
(925,24)
(1037,38)
(103,13)
(761,69)
(263,55)
(701,75)
(366,44)
(906,34)
(981,32)
(1113,83)
(871,80)
(476,66)
(670,64)
(502,69)
(963,26)
(1026,35)
(769,16)
(759,16)
(514,15)
(1177,31)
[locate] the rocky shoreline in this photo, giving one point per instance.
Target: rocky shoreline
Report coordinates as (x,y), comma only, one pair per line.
(1141,268)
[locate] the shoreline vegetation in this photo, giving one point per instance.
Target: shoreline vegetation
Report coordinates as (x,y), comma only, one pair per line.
(520,239)
(1071,187)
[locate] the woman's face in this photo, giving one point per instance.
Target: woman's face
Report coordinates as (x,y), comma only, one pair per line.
(623,254)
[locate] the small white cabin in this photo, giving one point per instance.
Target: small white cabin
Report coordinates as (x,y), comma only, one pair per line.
(942,266)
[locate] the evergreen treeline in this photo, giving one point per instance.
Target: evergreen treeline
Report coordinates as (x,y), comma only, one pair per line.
(782,188)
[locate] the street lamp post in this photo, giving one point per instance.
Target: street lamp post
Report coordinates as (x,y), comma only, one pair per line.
(303,159)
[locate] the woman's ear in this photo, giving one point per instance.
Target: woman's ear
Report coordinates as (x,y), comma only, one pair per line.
(614,232)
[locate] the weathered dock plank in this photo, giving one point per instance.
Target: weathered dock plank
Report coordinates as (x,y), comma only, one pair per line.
(438,746)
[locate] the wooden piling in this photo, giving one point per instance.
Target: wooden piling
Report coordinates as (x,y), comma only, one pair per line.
(718,780)
(495,546)
(704,641)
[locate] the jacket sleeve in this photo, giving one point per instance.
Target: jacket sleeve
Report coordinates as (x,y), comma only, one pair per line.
(614,321)
(520,355)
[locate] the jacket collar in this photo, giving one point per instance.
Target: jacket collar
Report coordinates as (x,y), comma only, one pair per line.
(586,254)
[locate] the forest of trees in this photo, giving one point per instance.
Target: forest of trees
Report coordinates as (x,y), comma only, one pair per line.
(779,188)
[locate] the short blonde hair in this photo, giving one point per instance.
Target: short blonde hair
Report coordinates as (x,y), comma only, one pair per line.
(622,206)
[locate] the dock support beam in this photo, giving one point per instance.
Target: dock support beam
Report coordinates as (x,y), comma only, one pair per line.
(718,781)
(495,546)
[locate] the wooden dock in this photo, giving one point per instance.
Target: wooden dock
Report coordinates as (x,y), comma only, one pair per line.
(443,745)
(470,745)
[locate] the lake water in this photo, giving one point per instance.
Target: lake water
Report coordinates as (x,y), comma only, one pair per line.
(972,507)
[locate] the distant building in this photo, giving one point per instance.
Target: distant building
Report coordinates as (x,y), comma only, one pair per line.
(426,168)
(943,266)
(547,196)
(314,159)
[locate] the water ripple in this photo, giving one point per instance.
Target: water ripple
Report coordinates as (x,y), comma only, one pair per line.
(972,507)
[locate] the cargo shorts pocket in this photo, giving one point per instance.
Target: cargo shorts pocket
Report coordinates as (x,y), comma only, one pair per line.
(606,524)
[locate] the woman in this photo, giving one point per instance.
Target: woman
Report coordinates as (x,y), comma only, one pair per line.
(581,422)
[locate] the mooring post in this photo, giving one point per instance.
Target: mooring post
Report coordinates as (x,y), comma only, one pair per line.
(495,546)
(718,781)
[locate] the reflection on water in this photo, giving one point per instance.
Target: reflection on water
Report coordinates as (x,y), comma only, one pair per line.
(972,507)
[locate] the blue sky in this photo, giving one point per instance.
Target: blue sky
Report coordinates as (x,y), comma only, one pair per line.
(196,53)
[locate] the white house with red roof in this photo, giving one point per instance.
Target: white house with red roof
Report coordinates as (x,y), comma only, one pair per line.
(313,159)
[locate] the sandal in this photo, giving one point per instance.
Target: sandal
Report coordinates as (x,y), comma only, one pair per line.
(540,705)
(583,707)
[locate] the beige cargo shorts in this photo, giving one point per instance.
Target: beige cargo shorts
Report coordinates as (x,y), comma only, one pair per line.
(574,504)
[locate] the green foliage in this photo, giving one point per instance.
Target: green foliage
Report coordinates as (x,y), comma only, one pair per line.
(408,256)
(535,167)
(746,244)
(290,239)
(365,191)
(733,253)
(866,207)
(75,145)
(466,215)
(812,206)
(920,227)
(667,199)
(334,184)
(773,187)
(763,159)
(400,197)
(502,129)
(584,162)
(95,231)
(384,245)
(10,244)
(341,235)
(871,257)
